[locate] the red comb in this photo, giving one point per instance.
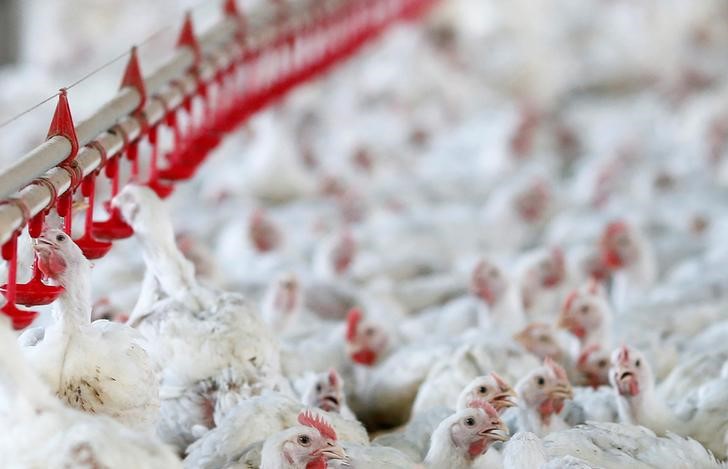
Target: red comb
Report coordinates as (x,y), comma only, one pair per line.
(594,286)
(333,377)
(615,228)
(352,323)
(558,254)
(555,367)
(484,405)
(623,355)
(344,252)
(309,419)
(500,381)
(584,355)
(569,301)
(479,272)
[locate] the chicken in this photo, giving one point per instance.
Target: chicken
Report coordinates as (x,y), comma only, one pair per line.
(414,439)
(236,355)
(607,446)
(628,253)
(272,171)
(698,415)
(99,367)
(382,395)
(326,290)
(543,340)
(259,249)
(263,233)
(254,420)
(493,304)
(457,442)
(466,435)
(449,375)
(335,256)
(519,209)
(335,345)
(541,280)
(326,392)
(592,366)
(701,360)
(312,444)
(541,396)
(42,432)
(587,315)
(282,308)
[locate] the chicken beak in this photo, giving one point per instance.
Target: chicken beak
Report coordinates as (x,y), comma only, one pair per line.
(504,399)
(568,323)
(329,403)
(626,381)
(564,321)
(561,391)
(497,431)
(43,244)
(334,451)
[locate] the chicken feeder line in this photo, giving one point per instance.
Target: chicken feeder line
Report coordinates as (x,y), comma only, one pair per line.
(249,68)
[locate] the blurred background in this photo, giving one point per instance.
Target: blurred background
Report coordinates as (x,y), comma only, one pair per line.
(542,54)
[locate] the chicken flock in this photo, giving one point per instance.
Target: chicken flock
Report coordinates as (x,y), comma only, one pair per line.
(485,243)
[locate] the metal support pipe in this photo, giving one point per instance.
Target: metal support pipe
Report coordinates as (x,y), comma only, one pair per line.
(56,150)
(219,47)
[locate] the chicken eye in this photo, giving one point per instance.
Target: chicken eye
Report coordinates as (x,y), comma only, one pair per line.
(60,237)
(304,440)
(319,387)
(369,331)
(540,381)
(544,338)
(482,390)
(470,421)
(584,309)
(602,363)
(637,363)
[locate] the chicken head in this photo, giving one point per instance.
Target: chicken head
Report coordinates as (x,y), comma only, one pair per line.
(545,389)
(488,282)
(490,388)
(365,341)
(630,373)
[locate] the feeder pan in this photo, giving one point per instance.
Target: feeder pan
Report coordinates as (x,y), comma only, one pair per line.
(177,172)
(93,248)
(113,228)
(163,190)
(34,293)
(21,318)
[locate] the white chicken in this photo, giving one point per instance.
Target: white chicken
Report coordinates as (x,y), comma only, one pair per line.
(457,442)
(41,432)
(313,444)
(336,345)
(698,415)
(254,420)
(605,445)
(493,304)
(414,439)
(240,354)
(541,396)
(449,375)
(587,315)
(541,277)
(100,367)
(628,253)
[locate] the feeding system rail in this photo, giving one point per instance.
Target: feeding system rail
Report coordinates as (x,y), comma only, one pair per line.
(239,66)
